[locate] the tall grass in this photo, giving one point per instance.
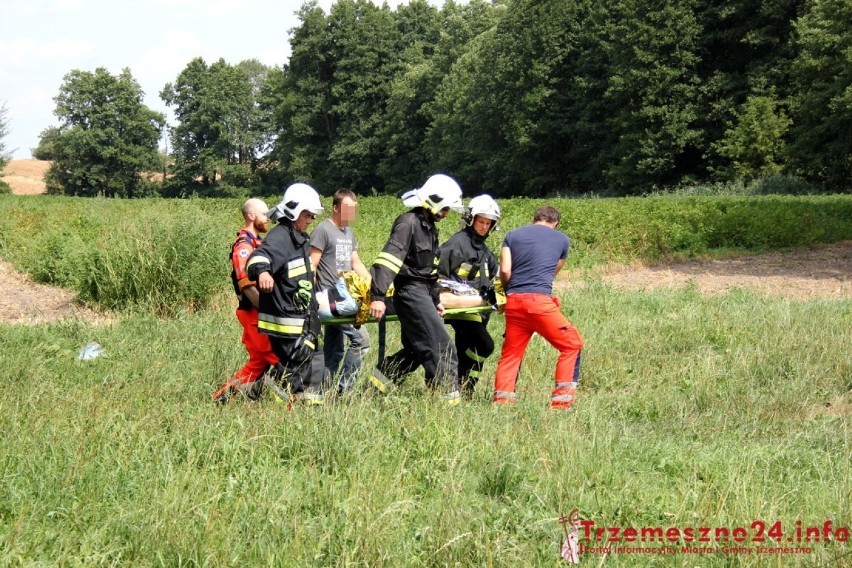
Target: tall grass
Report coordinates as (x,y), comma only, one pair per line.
(155,256)
(692,411)
(165,256)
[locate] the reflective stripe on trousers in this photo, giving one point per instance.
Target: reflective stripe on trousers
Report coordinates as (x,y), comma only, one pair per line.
(504,397)
(563,395)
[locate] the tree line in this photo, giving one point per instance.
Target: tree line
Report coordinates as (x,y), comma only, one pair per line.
(513,97)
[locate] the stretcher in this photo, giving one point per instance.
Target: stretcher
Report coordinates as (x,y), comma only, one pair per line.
(393,317)
(351,294)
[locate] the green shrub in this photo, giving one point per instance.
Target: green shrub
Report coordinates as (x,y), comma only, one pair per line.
(61,258)
(4,187)
(227,190)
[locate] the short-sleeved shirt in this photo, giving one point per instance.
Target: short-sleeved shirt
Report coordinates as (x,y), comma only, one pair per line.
(337,245)
(536,249)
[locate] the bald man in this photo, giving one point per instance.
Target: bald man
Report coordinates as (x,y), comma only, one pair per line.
(260,353)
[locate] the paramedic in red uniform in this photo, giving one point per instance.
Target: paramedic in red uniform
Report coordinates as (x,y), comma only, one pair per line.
(259,350)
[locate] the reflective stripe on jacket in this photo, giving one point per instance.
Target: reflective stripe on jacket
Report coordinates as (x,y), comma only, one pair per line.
(409,254)
(284,254)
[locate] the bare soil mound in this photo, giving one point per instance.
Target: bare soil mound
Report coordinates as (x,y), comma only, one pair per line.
(27,302)
(818,272)
(26,177)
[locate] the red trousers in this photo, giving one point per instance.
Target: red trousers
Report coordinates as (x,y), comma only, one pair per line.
(526,314)
(258,347)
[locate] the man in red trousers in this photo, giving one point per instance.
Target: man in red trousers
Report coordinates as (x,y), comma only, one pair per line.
(531,256)
(259,349)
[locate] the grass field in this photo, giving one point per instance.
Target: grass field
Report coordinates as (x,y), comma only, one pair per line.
(693,411)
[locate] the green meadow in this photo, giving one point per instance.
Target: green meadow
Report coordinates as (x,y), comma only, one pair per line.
(693,411)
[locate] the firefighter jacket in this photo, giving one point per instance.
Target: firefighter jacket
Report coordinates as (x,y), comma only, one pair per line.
(241,249)
(408,256)
(466,258)
(285,255)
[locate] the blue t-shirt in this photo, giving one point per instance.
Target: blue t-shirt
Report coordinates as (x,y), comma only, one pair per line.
(536,249)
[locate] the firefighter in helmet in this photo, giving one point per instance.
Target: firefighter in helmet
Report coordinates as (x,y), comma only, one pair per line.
(409,261)
(466,258)
(287,310)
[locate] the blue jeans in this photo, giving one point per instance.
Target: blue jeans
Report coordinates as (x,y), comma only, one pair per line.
(335,350)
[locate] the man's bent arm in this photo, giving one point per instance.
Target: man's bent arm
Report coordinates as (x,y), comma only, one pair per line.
(505,267)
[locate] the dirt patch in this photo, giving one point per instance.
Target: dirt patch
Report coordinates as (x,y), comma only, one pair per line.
(818,272)
(27,302)
(26,177)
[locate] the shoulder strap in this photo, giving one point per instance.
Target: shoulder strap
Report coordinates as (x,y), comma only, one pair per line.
(243,237)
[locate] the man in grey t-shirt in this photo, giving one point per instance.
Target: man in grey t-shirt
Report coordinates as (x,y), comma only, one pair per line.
(334,250)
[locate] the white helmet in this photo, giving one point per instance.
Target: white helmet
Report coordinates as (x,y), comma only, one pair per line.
(485,206)
(297,198)
(438,192)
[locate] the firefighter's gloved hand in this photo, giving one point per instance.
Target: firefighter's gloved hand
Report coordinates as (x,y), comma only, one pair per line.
(303,349)
(303,295)
(489,295)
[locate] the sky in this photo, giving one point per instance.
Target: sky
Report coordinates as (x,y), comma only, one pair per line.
(42,40)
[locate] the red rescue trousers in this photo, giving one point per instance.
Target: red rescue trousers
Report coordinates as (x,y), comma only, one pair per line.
(258,347)
(539,313)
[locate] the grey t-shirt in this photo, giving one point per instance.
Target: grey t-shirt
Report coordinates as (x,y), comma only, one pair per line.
(337,245)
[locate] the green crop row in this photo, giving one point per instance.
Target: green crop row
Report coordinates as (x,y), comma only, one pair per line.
(170,255)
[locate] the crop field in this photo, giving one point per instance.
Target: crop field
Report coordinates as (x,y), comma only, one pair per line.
(728,412)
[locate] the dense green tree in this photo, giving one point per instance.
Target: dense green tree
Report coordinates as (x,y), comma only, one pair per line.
(551,81)
(419,29)
(406,120)
(252,138)
(465,136)
(447,35)
(195,135)
(745,50)
(107,136)
(821,146)
(530,97)
(220,132)
(401,163)
(652,92)
(365,44)
(519,111)
(297,100)
(754,140)
(572,138)
(46,149)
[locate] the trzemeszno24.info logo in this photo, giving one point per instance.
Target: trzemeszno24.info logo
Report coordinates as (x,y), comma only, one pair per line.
(586,537)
